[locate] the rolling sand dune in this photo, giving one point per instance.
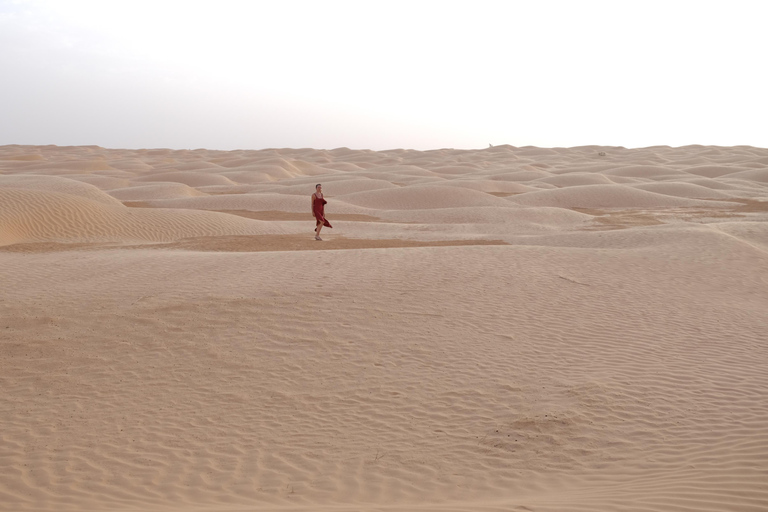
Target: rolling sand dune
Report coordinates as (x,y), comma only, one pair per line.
(399,170)
(454,169)
(714,184)
(421,197)
(606,196)
(751,233)
(131,164)
(140,192)
(255,202)
(343,167)
(311,181)
(340,187)
(576,179)
(688,190)
(758,175)
(98,164)
(33,216)
(499,188)
(621,180)
(644,171)
(190,178)
(101,182)
(256,174)
(197,165)
(544,329)
(713,171)
(10,158)
(57,184)
(583,169)
(522,175)
(488,215)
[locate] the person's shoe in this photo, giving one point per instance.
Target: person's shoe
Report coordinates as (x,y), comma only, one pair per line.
(318,238)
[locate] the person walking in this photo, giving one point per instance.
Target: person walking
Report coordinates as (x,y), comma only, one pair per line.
(318,210)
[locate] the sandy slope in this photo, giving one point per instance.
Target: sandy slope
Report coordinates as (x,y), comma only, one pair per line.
(606,351)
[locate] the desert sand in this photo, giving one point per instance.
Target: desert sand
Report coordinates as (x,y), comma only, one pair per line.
(512,328)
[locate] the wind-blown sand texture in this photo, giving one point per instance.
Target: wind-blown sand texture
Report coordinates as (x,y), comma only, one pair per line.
(580,329)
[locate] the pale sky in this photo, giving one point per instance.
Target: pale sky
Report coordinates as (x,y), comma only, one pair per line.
(230,74)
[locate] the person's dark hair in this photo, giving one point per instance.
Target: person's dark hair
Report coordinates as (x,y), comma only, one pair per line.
(317,185)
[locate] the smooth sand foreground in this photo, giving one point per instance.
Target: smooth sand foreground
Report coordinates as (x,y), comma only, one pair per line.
(579,329)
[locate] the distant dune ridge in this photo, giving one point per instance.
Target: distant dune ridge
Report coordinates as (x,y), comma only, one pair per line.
(512,328)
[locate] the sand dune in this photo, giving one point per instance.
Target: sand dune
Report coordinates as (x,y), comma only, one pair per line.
(487,215)
(758,175)
(499,188)
(622,180)
(643,171)
(197,165)
(101,182)
(714,184)
(12,156)
(35,216)
(399,170)
(521,175)
(255,202)
(470,223)
(713,171)
(549,329)
(454,169)
(57,184)
(257,174)
(98,164)
(689,190)
(576,179)
(339,187)
(421,197)
(130,164)
(192,179)
(754,234)
(160,190)
(343,167)
(607,196)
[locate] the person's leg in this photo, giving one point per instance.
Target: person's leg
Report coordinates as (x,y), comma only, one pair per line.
(317,230)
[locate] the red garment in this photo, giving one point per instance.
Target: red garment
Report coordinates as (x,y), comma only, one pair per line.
(318,210)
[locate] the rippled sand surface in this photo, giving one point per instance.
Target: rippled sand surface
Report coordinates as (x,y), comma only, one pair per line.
(578,329)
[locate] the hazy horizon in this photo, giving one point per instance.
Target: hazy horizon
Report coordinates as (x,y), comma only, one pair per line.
(424,75)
